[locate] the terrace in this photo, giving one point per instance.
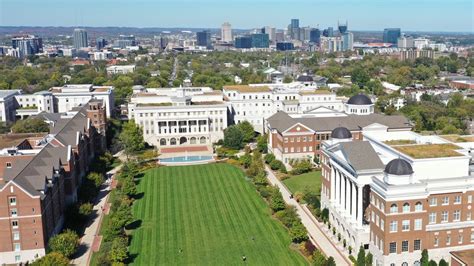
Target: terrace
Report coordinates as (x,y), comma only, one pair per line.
(247,88)
(458,138)
(395,142)
(425,151)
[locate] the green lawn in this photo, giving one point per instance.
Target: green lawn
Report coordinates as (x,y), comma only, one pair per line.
(206,215)
(311,180)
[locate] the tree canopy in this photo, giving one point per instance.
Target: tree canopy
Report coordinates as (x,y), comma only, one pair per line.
(30,125)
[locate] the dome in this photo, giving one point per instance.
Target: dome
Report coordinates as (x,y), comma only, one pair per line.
(341,133)
(398,167)
(359,99)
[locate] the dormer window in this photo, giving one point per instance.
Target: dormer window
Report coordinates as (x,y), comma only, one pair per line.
(9,165)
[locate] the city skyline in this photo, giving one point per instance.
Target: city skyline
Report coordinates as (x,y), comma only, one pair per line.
(436,15)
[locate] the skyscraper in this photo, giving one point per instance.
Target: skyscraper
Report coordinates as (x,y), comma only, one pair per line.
(329,32)
(295,23)
(315,36)
(243,42)
(271,33)
(391,35)
(100,43)
(226,32)
(347,41)
(27,45)
(342,28)
(80,38)
(294,29)
(203,38)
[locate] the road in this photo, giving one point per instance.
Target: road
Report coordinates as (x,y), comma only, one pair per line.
(174,73)
(314,231)
(92,230)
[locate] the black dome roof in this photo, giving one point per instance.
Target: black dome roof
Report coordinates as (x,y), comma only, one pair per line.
(359,99)
(341,133)
(398,167)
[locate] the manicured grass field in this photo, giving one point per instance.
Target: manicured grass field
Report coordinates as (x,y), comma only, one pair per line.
(206,215)
(311,180)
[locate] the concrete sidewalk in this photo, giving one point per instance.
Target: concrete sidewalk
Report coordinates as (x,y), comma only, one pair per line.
(314,231)
(92,230)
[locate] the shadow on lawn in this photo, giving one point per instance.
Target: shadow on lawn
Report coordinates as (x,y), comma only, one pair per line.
(134,225)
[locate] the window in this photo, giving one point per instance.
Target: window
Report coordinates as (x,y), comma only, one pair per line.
(436,241)
(418,224)
(468,216)
(17,246)
(472,236)
(16,235)
(17,258)
(15,224)
(393,208)
(406,225)
(432,218)
(405,246)
(460,238)
(418,207)
(12,201)
(13,212)
(457,200)
(417,244)
(9,165)
(448,240)
(469,199)
(457,215)
(393,247)
(433,202)
(444,216)
(445,200)
(382,225)
(405,264)
(406,207)
(393,226)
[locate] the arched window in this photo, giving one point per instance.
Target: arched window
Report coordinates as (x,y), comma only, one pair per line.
(192,140)
(406,207)
(183,140)
(162,142)
(416,263)
(172,141)
(405,264)
(393,208)
(418,207)
(202,140)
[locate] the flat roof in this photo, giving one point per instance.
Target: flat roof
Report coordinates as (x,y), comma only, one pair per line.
(247,88)
(458,138)
(315,92)
(424,151)
(12,140)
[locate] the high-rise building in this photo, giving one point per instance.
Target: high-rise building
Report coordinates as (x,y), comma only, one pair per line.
(285,46)
(342,28)
(80,38)
(329,32)
(391,35)
(226,32)
(243,42)
(260,40)
(294,29)
(405,42)
(126,40)
(315,36)
(271,33)
(27,45)
(100,43)
(295,23)
(347,41)
(203,38)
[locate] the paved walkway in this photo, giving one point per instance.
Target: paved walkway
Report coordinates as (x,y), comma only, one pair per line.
(90,237)
(315,232)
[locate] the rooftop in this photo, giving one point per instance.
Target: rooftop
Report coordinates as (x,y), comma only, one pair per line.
(466,256)
(247,88)
(424,151)
(315,92)
(394,142)
(11,140)
(459,138)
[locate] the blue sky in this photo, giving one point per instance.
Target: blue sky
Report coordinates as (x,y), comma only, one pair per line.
(418,15)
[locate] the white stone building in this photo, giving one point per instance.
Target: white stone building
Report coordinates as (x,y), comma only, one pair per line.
(8,105)
(257,102)
(179,116)
(120,69)
(73,95)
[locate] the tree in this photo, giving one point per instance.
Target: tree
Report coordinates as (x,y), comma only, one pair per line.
(129,187)
(424,261)
(287,79)
(369,259)
(52,258)
(65,243)
(247,130)
(276,202)
(298,232)
(30,125)
(262,143)
(131,138)
(330,262)
(360,257)
(233,138)
(360,76)
(245,160)
(119,250)
(442,262)
(269,158)
(96,178)
(85,209)
(319,259)
(432,263)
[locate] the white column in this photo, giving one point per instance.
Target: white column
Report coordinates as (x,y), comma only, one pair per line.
(343,194)
(348,197)
(338,199)
(360,215)
(353,203)
(333,185)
